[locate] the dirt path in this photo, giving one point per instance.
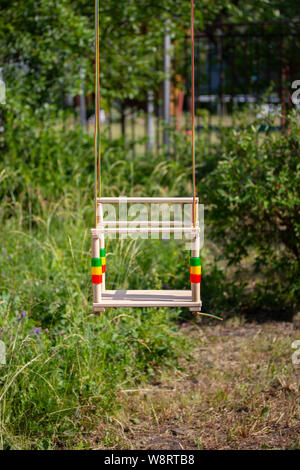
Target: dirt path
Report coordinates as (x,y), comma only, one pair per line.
(238,390)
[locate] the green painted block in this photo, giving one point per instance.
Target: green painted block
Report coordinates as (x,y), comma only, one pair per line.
(102,252)
(96,262)
(195,261)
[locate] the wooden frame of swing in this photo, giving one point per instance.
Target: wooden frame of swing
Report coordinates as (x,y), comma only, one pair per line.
(103,298)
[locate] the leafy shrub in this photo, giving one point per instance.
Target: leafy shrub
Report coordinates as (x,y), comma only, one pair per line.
(253,205)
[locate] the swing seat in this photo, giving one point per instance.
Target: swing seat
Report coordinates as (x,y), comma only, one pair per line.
(147,298)
(103,298)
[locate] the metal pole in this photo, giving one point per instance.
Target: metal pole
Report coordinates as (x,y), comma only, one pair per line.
(150,121)
(221,73)
(123,129)
(82,98)
(167,82)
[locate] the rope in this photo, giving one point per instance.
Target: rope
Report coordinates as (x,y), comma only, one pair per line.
(97,136)
(209,315)
(99,133)
(193,110)
(96,108)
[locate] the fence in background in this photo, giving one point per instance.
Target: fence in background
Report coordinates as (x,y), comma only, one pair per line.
(236,66)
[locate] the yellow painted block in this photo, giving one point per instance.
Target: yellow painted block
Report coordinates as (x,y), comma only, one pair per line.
(103,261)
(195,269)
(97,270)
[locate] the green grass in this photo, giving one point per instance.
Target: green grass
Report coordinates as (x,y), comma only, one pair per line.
(65,367)
(238,389)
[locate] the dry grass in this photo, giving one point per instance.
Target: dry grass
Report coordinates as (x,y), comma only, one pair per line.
(238,390)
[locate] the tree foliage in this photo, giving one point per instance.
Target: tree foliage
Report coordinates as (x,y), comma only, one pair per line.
(45,43)
(253,203)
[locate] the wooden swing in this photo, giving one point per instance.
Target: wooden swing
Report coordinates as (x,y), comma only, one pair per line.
(103,298)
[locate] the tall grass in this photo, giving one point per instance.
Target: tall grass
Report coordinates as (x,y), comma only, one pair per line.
(64,367)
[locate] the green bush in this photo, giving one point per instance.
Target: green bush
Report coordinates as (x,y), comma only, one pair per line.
(253,207)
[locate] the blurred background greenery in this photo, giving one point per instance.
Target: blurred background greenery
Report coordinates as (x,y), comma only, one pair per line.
(64,368)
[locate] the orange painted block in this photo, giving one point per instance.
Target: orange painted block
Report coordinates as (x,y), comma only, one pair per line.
(195,269)
(96,270)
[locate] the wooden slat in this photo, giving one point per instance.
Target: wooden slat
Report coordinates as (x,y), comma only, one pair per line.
(97,232)
(146,298)
(151,223)
(146,200)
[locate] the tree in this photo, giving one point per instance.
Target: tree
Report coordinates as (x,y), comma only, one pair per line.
(44,43)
